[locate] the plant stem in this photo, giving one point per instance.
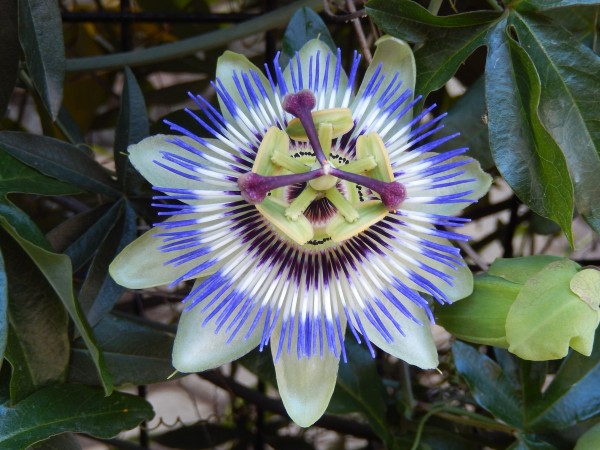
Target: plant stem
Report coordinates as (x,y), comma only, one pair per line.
(434,6)
(186,47)
(494,4)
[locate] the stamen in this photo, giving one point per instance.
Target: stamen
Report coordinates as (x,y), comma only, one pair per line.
(300,105)
(254,187)
(392,194)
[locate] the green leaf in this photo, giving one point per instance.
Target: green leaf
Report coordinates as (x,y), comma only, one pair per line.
(22,223)
(489,385)
(441,55)
(18,177)
(573,395)
(590,439)
(570,75)
(57,270)
(132,125)
(304,25)
(525,153)
(59,160)
(541,5)
(64,407)
(38,341)
(40,34)
(530,442)
(78,236)
(136,352)
(467,118)
(359,388)
(581,22)
(406,19)
(64,441)
(3,308)
(547,317)
(481,317)
(99,292)
(519,270)
(9,49)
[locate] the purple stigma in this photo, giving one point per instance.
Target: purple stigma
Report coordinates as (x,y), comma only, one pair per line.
(254,187)
(392,193)
(300,105)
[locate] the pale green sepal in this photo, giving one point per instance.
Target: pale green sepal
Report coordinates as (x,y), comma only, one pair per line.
(275,141)
(586,284)
(481,317)
(372,145)
(340,120)
(198,348)
(480,186)
(462,277)
(310,50)
(299,230)
(369,214)
(305,385)
(231,63)
(416,347)
(547,317)
(144,154)
(519,270)
(394,56)
(590,440)
(141,265)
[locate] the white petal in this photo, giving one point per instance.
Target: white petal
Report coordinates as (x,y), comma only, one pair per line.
(395,57)
(419,196)
(260,117)
(328,97)
(416,347)
(305,385)
(200,347)
(145,155)
(142,265)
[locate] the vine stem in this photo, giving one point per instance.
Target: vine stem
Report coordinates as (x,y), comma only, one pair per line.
(494,4)
(186,47)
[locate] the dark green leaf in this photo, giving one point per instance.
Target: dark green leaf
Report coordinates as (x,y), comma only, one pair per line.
(202,435)
(59,160)
(18,177)
(489,384)
(467,118)
(527,442)
(581,21)
(78,237)
(132,125)
(304,25)
(570,79)
(541,5)
(442,54)
(40,34)
(38,343)
(99,292)
(74,408)
(57,270)
(136,352)
(359,388)
(573,395)
(22,223)
(9,49)
(65,441)
(3,308)
(406,19)
(525,153)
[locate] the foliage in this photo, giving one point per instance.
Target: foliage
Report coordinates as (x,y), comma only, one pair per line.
(70,201)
